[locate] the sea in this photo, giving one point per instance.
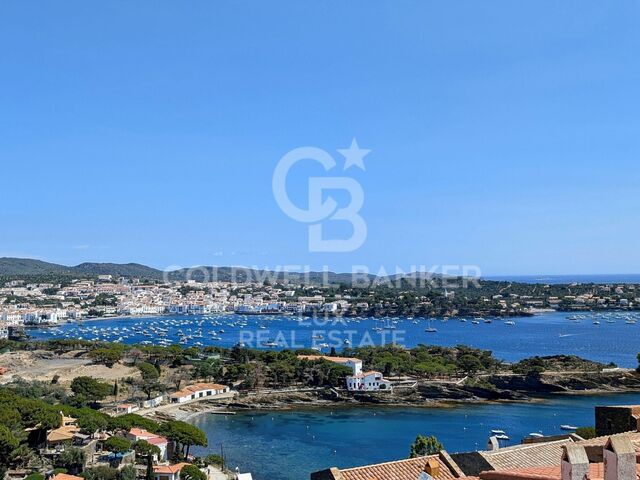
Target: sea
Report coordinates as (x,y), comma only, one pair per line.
(612,340)
(617,278)
(289,445)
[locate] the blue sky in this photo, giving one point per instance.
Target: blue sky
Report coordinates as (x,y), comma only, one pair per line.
(503,134)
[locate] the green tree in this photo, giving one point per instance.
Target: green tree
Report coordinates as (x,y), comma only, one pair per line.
(34,476)
(586,432)
(184,435)
(8,442)
(90,424)
(129,420)
(213,459)
(469,364)
(148,371)
(89,389)
(150,376)
(72,459)
(191,472)
(100,473)
(128,472)
(22,456)
(145,449)
(207,369)
(425,446)
(108,356)
(117,444)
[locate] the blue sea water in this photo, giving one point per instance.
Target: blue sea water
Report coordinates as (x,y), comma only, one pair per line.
(616,278)
(545,334)
(289,445)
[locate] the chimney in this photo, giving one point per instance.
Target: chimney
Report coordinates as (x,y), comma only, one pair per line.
(619,458)
(431,470)
(493,444)
(575,463)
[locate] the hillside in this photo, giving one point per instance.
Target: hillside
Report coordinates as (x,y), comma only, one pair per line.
(118,270)
(27,266)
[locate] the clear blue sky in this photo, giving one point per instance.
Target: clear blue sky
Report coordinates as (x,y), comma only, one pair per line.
(503,134)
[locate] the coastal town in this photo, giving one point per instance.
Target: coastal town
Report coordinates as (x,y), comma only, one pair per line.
(319,240)
(106,412)
(24,302)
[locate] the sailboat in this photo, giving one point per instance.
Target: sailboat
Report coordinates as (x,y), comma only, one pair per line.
(430,329)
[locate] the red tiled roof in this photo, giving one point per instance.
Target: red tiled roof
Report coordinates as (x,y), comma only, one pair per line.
(407,469)
(141,432)
(596,471)
(197,387)
(526,456)
(157,440)
(169,468)
(65,476)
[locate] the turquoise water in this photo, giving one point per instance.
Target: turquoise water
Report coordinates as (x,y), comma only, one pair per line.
(290,445)
(546,334)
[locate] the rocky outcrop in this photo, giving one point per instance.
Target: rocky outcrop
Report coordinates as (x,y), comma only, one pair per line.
(618,380)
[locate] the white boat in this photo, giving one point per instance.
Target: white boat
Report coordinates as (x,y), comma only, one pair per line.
(568,427)
(509,322)
(498,432)
(430,329)
(536,435)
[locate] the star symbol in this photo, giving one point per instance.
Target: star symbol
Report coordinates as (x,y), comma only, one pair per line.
(354,155)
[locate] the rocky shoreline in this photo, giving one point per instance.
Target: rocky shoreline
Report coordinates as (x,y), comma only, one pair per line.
(489,389)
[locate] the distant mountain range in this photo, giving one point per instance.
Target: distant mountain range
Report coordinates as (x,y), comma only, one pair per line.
(25,267)
(30,267)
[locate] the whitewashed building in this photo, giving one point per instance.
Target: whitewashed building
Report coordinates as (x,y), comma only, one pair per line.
(196,391)
(368,382)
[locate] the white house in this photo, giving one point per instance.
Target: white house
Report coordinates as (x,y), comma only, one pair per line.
(359,381)
(159,441)
(168,472)
(13,318)
(126,408)
(198,390)
(367,382)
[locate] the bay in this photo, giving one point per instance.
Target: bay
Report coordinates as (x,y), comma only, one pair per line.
(289,445)
(544,334)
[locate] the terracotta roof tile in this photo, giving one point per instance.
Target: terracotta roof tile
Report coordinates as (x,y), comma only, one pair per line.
(407,469)
(169,468)
(526,456)
(596,471)
(65,476)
